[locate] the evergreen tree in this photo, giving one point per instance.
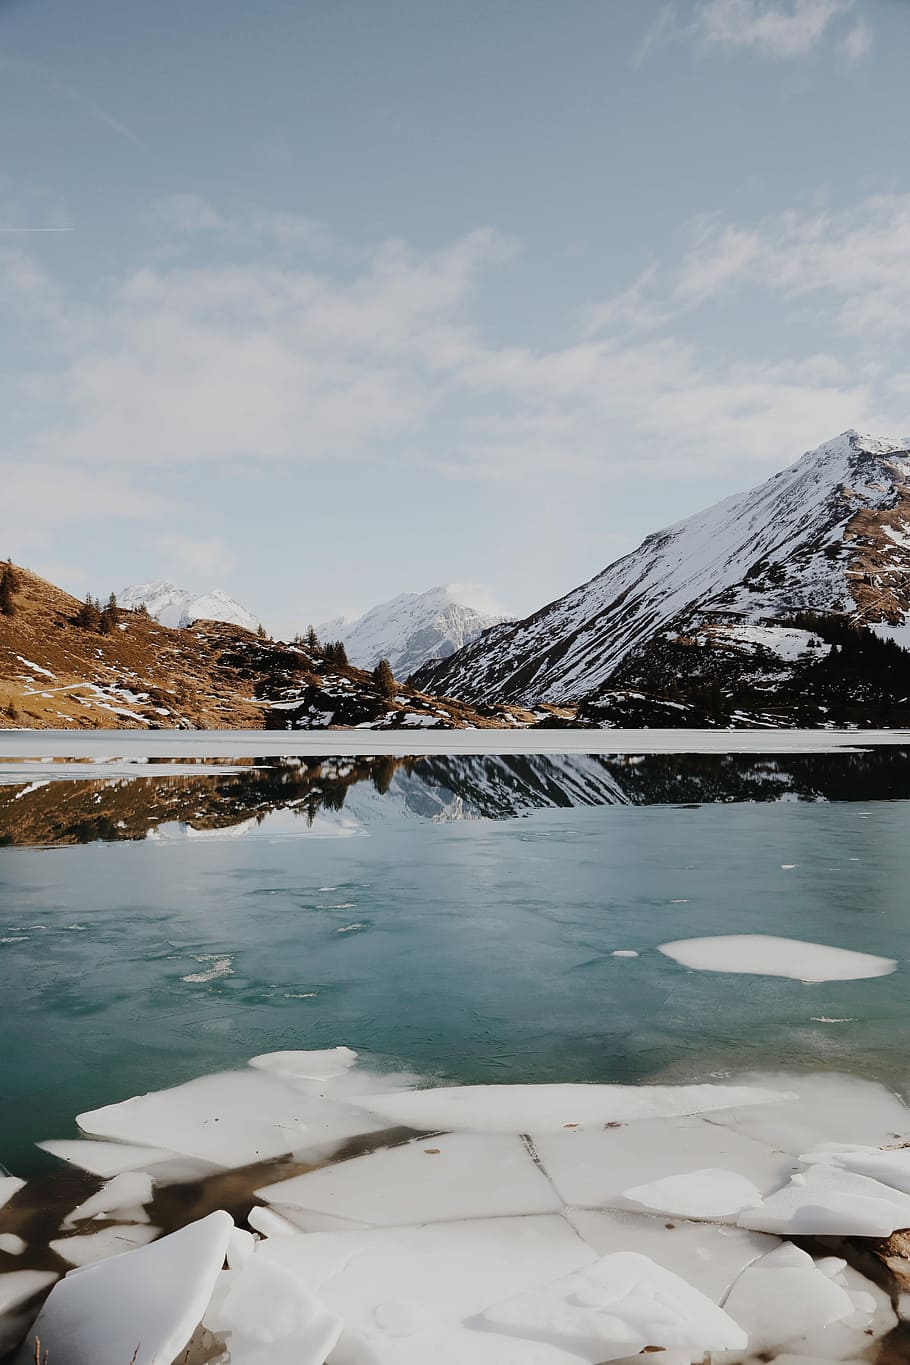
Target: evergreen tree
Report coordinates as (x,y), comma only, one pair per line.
(88,617)
(384,679)
(335,653)
(312,639)
(9,584)
(109,616)
(260,632)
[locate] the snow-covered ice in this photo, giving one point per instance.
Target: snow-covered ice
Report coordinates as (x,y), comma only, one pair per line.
(97,1246)
(890,1166)
(141,1306)
(766,955)
(458,1175)
(617,1307)
(551,1108)
(826,1107)
(130,1190)
(783,1297)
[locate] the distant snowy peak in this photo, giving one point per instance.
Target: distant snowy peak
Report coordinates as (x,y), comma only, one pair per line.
(177,607)
(829,534)
(410,630)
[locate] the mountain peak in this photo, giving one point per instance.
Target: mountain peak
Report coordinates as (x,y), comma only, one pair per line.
(174,606)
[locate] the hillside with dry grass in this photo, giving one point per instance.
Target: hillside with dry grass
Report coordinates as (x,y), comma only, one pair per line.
(133,673)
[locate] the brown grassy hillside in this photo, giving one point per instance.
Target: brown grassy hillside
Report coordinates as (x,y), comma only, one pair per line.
(55,674)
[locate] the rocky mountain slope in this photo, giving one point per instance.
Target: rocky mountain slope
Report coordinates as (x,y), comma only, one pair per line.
(133,673)
(410,630)
(178,607)
(723,597)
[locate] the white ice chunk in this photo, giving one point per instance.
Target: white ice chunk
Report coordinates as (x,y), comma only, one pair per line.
(241,1246)
(617,1307)
(148,1302)
(314,1066)
(709,1193)
(128,1191)
(850,1338)
(430,1180)
(233,1118)
(826,1200)
(828,1108)
(782,1297)
(11,1244)
(105,1158)
(890,1167)
(97,1246)
(9,1185)
(596,1169)
(270,1224)
(273,1318)
(550,1108)
(709,1257)
(403,1289)
(765,955)
(18,1286)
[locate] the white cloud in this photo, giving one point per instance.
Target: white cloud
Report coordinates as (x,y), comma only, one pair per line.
(857,44)
(204,558)
(769,29)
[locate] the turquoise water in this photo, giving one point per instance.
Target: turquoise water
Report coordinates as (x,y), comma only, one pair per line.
(454,916)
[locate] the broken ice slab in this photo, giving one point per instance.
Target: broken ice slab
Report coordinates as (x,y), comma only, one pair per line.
(272,1318)
(9,1185)
(617,1307)
(97,1246)
(598,1169)
(766,955)
(825,1200)
(232,1118)
(550,1108)
(106,1159)
(848,1338)
(890,1167)
(827,1108)
(142,1306)
(128,1191)
(395,1285)
(710,1193)
(784,1297)
(458,1175)
(11,1244)
(710,1257)
(18,1286)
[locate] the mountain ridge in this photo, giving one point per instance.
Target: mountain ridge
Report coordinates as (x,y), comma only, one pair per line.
(177,607)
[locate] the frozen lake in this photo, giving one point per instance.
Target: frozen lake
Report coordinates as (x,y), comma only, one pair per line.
(493,917)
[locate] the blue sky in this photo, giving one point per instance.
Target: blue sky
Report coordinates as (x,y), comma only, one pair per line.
(361,296)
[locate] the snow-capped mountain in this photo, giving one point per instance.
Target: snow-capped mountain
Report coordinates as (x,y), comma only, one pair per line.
(175,607)
(410,630)
(830,534)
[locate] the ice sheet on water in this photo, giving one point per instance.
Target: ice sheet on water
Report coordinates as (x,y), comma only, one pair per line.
(105,1158)
(125,1191)
(827,1200)
(551,1108)
(9,1185)
(315,1066)
(232,1118)
(891,1167)
(97,1246)
(617,1307)
(710,1193)
(765,955)
(12,1244)
(598,1168)
(827,1108)
(18,1286)
(459,1175)
(143,1305)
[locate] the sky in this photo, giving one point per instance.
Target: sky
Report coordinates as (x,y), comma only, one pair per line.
(321,302)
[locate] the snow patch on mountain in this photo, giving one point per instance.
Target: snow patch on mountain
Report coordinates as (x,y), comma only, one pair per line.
(176,607)
(410,630)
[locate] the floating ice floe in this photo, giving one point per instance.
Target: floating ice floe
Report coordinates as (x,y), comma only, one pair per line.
(9,1185)
(142,1306)
(97,1246)
(459,1175)
(891,1167)
(765,955)
(12,1244)
(551,1108)
(106,1159)
(233,1118)
(124,1195)
(18,1286)
(783,1297)
(313,1066)
(599,1168)
(825,1199)
(618,1307)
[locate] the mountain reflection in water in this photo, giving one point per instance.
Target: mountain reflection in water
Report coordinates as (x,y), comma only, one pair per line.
(439,788)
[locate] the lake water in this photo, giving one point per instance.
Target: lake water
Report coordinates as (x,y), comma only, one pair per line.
(457,915)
